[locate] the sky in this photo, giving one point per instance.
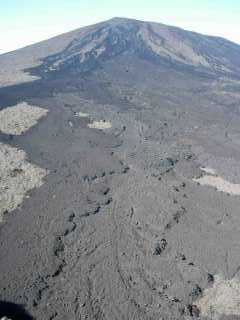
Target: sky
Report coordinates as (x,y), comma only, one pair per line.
(23,22)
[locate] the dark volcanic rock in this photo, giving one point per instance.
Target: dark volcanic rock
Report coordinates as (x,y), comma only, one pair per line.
(119,229)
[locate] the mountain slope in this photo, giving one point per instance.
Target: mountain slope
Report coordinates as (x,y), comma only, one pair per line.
(151,41)
(87,48)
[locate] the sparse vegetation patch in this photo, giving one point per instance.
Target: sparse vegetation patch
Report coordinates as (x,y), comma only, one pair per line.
(223,298)
(18,119)
(102,125)
(17,177)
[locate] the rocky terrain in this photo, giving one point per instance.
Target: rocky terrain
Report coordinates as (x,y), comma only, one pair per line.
(133,130)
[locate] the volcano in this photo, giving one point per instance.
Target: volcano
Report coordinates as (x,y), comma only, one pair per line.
(119,175)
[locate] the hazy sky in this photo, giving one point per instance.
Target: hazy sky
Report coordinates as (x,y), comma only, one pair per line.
(23,22)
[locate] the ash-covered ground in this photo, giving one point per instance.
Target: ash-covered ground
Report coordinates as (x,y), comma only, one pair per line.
(122,226)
